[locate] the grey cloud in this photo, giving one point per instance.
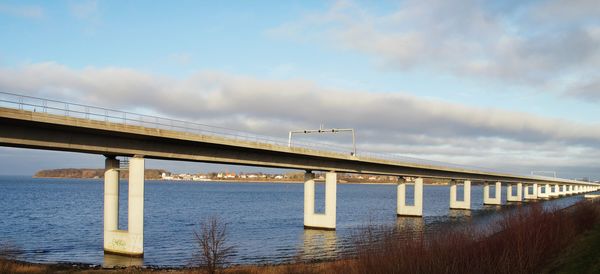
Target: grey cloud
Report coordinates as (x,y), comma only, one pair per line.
(521,45)
(565,10)
(589,90)
(386,122)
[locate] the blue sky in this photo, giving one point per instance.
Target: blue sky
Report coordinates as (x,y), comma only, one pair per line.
(516,79)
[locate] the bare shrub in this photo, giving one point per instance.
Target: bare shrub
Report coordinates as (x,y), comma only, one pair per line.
(214,250)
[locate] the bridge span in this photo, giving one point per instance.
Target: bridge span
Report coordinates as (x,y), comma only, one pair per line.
(37,123)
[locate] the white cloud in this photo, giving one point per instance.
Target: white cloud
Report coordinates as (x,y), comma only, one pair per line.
(25,11)
(386,122)
(84,9)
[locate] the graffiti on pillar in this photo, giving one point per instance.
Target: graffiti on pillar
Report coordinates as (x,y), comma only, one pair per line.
(118,244)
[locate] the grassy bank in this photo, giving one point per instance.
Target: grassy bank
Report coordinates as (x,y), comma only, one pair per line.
(583,256)
(529,240)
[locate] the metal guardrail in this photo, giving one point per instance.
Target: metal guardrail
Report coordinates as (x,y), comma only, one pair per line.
(36,104)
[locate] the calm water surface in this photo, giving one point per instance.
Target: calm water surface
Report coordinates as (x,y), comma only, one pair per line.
(60,220)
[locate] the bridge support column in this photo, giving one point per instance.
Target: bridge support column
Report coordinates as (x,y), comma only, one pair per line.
(514,198)
(534,192)
(555,192)
(543,191)
(466,202)
(124,242)
(111,196)
(417,208)
(316,220)
(497,200)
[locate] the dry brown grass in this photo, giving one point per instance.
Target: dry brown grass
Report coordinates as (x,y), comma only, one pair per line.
(526,241)
(10,266)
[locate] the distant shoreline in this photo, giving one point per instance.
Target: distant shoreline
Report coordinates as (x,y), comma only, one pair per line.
(241,181)
(159,175)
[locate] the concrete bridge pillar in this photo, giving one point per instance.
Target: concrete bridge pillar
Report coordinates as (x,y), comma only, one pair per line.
(497,200)
(320,220)
(111,195)
(550,190)
(417,208)
(517,197)
(124,242)
(531,192)
(553,193)
(543,191)
(466,201)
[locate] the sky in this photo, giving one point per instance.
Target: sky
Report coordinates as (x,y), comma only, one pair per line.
(505,85)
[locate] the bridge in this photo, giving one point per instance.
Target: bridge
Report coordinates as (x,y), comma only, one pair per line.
(38,123)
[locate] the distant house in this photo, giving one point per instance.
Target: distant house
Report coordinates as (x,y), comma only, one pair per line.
(166,176)
(229,175)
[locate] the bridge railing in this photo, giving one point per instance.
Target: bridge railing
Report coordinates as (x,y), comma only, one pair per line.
(66,109)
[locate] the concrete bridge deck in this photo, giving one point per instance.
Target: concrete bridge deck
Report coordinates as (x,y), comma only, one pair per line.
(28,129)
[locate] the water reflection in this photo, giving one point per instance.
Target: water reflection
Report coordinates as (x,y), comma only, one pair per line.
(493,207)
(459,214)
(410,224)
(318,244)
(111,260)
